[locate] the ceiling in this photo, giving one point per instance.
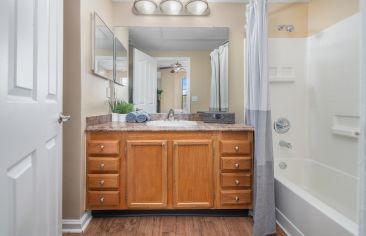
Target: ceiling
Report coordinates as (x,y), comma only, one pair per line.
(178,38)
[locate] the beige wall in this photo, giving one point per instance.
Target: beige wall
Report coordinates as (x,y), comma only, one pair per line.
(72,135)
(200,76)
(325,13)
(230,15)
(308,18)
(289,14)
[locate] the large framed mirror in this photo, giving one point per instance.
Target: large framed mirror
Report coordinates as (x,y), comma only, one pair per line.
(103,49)
(179,68)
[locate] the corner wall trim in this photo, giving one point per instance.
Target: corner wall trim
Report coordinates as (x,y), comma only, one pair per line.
(77,225)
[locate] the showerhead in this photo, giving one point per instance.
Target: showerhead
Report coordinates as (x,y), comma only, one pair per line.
(288,28)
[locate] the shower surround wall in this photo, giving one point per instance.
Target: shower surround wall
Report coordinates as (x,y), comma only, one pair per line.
(333,87)
(315,84)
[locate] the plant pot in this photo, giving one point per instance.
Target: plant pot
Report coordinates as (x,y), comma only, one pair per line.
(115,117)
(122,117)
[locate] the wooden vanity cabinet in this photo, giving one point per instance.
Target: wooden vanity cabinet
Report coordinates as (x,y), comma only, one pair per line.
(147,174)
(193,174)
(170,170)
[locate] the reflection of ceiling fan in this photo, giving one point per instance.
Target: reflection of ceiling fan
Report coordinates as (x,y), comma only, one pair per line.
(177,67)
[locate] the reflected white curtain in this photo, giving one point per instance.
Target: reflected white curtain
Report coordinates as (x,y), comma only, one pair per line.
(219,78)
(258,114)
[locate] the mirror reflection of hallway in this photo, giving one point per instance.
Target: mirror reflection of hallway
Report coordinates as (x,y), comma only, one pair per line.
(173,87)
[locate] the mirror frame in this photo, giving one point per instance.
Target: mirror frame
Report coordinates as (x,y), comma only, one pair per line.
(115,60)
(94,16)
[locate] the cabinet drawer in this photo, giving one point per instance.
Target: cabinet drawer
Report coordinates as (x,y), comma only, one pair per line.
(236,197)
(235,147)
(236,163)
(108,181)
(236,179)
(106,147)
(103,164)
(103,198)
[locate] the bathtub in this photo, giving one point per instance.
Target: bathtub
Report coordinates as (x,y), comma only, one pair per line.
(310,201)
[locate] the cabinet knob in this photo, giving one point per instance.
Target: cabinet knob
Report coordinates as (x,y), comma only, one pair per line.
(102,166)
(102,200)
(101,182)
(102,147)
(236,148)
(237,182)
(236,165)
(237,199)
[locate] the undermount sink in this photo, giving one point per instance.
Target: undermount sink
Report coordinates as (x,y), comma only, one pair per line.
(175,123)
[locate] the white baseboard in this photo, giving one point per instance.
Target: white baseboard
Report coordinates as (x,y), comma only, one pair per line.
(78,225)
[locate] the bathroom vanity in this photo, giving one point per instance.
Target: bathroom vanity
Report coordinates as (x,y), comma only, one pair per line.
(141,167)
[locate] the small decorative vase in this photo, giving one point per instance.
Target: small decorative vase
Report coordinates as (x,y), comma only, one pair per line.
(122,118)
(115,117)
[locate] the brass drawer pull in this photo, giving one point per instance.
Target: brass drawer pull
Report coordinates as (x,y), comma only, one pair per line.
(237,148)
(237,182)
(237,199)
(101,182)
(102,147)
(102,166)
(236,165)
(102,200)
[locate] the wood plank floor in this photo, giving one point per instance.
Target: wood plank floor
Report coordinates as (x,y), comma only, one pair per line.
(169,226)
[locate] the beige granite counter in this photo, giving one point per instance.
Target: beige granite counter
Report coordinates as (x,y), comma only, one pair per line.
(117,126)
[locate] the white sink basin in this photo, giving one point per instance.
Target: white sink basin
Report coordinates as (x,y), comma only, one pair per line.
(176,123)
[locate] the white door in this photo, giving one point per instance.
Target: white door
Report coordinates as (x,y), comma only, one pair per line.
(145,79)
(31,41)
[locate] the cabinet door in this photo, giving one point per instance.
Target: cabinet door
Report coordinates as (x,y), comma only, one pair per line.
(147,174)
(193,174)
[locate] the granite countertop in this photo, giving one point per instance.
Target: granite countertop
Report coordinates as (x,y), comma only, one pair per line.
(117,126)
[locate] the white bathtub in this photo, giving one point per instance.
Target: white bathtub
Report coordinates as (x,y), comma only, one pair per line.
(310,201)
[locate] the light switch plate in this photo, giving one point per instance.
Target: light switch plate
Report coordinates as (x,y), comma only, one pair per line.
(194,98)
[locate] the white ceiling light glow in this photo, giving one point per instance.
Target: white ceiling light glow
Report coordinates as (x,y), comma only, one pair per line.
(145,6)
(197,7)
(171,7)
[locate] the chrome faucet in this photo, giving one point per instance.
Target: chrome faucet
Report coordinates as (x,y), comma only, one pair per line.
(171,115)
(285,144)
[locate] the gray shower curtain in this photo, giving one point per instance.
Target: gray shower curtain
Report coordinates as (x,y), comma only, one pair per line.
(258,114)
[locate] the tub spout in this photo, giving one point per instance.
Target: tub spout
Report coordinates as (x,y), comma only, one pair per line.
(285,144)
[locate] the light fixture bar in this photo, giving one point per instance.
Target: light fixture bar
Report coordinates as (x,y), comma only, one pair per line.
(171,8)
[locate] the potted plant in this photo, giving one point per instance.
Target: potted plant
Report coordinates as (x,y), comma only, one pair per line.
(113,106)
(123,108)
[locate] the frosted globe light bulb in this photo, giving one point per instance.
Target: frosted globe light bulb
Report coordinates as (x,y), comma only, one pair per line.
(172,7)
(145,6)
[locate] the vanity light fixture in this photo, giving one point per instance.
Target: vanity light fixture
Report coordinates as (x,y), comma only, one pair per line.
(146,7)
(197,7)
(171,7)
